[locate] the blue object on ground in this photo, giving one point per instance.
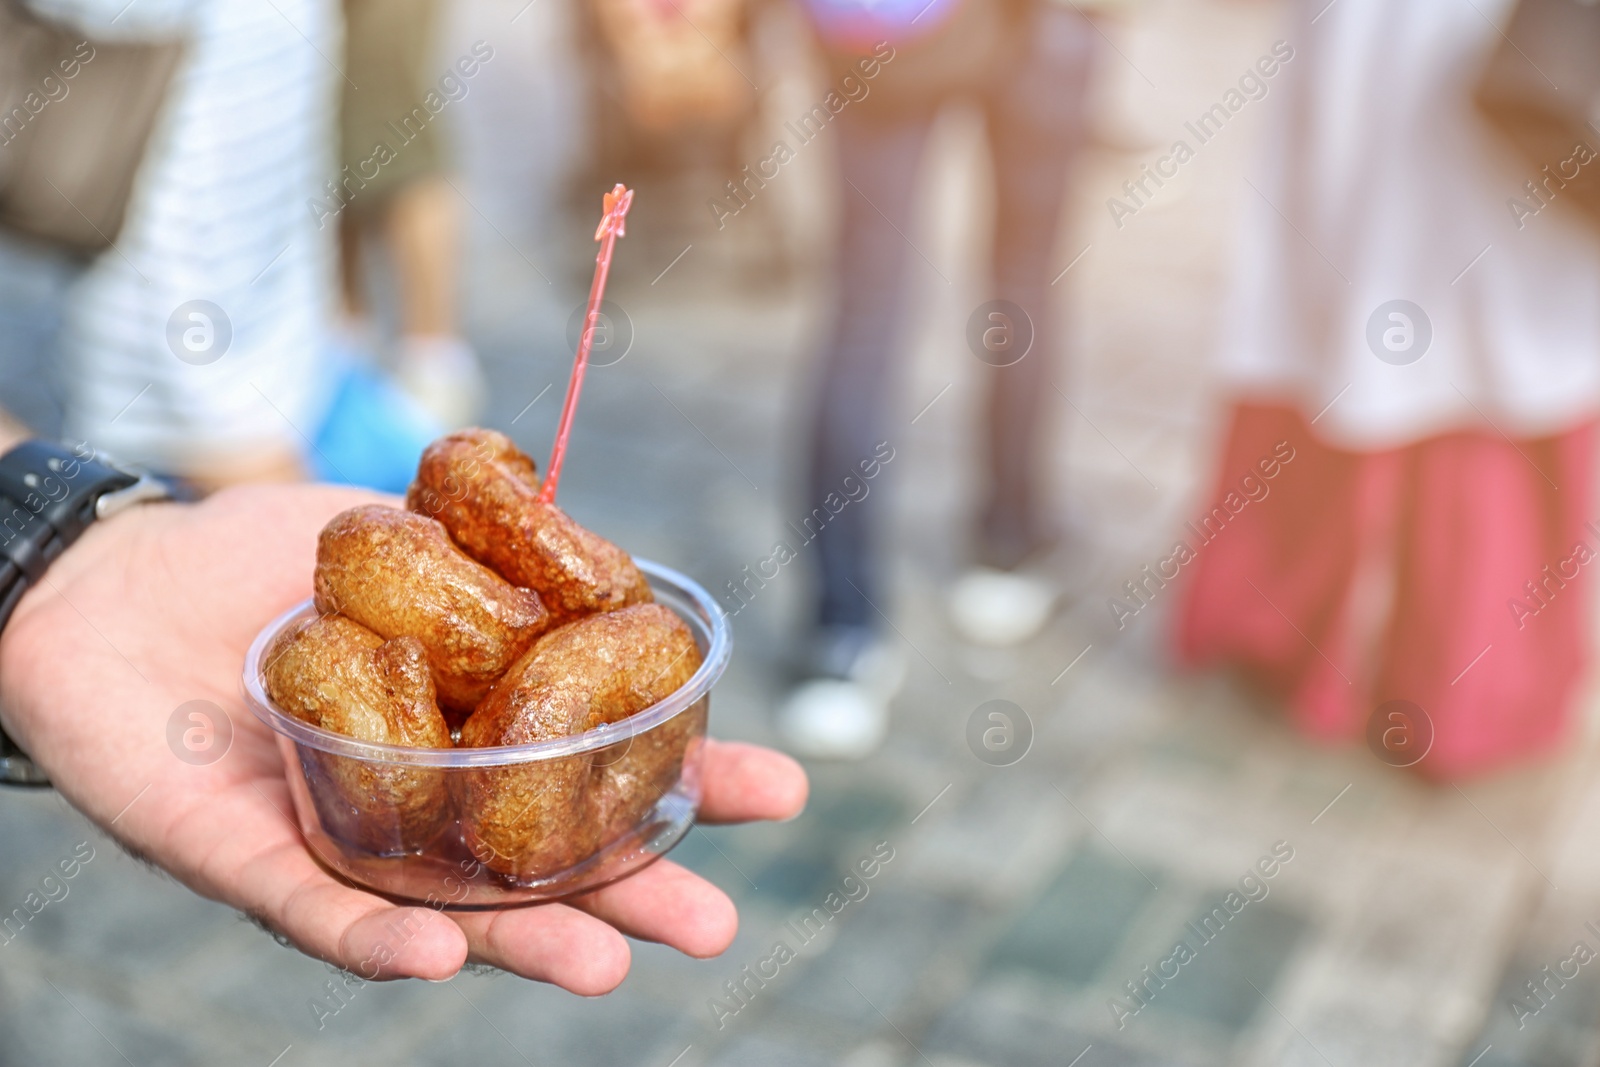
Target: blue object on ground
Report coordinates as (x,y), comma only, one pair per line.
(373,433)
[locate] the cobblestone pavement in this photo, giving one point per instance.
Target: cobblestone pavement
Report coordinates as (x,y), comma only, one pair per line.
(1016,904)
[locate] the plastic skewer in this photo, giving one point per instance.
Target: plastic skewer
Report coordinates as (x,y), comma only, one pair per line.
(613,224)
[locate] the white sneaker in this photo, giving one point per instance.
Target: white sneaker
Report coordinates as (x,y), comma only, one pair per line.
(441,373)
(842,712)
(998,609)
(831,718)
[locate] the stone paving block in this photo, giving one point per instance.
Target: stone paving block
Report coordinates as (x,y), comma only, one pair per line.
(162,1000)
(879,958)
(1102,705)
(108,911)
(749,1051)
(1328,988)
(860,811)
(998,839)
(793,864)
(1555,1047)
(1420,931)
(1560,1016)
(889,1051)
(1216,986)
(499,1019)
(983,1027)
(1070,931)
(58,1022)
(1349,1036)
(1543,1043)
(798,879)
(1212,829)
(1573,861)
(249,976)
(728,858)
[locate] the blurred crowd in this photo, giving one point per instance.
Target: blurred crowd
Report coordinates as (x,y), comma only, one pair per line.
(1400,524)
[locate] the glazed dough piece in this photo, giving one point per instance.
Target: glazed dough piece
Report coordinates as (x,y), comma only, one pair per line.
(631,776)
(485,492)
(534,820)
(397,572)
(339,675)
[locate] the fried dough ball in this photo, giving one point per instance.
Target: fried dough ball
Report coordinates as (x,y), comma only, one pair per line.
(339,675)
(485,491)
(532,820)
(397,572)
(629,777)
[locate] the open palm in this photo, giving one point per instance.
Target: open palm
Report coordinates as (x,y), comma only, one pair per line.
(156,608)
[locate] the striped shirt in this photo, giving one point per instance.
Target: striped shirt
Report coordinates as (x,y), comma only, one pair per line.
(218,214)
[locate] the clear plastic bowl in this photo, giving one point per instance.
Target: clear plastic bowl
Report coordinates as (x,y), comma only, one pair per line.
(636,784)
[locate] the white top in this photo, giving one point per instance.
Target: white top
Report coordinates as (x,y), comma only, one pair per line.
(1394,188)
(218,213)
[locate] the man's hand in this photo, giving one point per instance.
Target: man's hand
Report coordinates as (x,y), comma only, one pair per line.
(156,608)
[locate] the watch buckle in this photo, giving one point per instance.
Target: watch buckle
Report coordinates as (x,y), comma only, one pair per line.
(147,488)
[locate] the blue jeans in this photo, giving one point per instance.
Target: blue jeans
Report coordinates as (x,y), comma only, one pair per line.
(1033,110)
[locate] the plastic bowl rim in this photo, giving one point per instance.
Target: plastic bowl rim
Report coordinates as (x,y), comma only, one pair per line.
(717,654)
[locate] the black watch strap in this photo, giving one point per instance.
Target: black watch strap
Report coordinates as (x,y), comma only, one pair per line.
(49,494)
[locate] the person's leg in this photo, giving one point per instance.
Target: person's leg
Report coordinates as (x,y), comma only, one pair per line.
(842,710)
(396,147)
(1035,121)
(355,130)
(353,304)
(423,227)
(878,161)
(434,363)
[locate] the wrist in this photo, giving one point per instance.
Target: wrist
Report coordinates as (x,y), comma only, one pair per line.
(49,619)
(97,551)
(58,512)
(12,433)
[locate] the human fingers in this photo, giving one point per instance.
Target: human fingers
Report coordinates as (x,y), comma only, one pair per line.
(747,782)
(670,905)
(553,943)
(357,931)
(253,858)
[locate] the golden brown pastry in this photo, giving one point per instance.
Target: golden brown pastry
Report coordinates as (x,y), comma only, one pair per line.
(485,493)
(533,820)
(628,778)
(339,675)
(397,572)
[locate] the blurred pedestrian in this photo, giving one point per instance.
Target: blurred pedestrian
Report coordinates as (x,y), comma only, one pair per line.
(1025,64)
(1421,359)
(394,185)
(671,63)
(191,345)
